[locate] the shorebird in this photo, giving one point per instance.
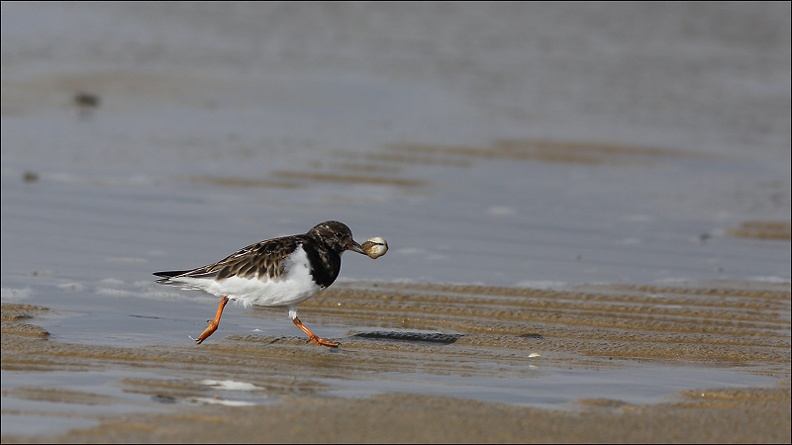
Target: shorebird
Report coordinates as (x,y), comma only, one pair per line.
(281,271)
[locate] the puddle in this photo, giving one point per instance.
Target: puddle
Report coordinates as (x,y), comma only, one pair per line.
(556,388)
(53,402)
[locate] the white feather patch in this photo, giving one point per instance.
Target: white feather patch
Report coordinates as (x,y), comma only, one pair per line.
(295,286)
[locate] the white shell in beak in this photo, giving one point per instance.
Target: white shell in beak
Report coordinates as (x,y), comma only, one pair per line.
(375,247)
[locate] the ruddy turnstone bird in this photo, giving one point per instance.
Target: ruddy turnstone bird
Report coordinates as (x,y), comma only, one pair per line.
(277,272)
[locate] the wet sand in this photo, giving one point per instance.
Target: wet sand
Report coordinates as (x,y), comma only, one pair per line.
(725,325)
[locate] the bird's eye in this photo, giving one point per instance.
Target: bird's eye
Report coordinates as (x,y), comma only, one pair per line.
(339,235)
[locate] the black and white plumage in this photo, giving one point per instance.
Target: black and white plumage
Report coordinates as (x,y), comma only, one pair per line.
(281,271)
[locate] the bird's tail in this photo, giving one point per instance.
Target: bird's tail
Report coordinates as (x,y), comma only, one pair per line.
(166,276)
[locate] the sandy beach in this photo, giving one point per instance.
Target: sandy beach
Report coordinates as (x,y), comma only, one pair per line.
(720,326)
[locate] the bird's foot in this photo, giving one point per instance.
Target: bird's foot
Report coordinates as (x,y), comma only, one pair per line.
(206,333)
(323,342)
(213,324)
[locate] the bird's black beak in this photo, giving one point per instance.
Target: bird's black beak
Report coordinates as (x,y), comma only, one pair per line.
(355,247)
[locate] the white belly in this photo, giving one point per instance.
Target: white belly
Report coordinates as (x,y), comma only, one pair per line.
(294,287)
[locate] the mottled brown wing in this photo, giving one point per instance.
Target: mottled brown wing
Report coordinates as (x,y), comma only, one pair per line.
(265,258)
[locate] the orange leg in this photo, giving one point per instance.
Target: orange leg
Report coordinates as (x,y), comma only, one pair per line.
(312,337)
(213,324)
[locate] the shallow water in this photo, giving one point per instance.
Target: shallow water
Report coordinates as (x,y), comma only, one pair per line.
(108,392)
(526,145)
(69,400)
